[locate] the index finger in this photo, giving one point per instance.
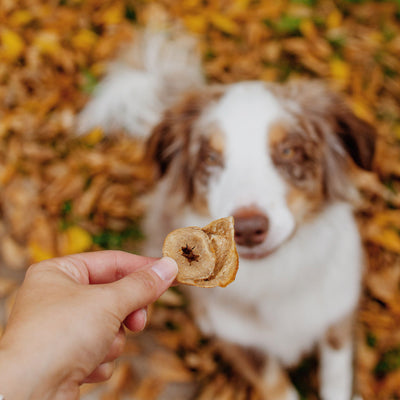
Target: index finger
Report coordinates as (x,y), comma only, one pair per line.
(108,265)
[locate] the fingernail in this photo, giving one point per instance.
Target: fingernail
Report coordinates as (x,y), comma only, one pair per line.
(143,312)
(166,268)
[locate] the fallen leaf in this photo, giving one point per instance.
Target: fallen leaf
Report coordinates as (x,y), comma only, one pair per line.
(76,240)
(84,40)
(12,45)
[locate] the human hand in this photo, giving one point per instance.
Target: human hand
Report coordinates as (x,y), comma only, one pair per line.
(66,324)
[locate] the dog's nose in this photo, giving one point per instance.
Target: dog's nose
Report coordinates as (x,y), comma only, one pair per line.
(251,227)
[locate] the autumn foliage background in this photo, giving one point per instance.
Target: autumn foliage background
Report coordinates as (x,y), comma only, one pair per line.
(61,194)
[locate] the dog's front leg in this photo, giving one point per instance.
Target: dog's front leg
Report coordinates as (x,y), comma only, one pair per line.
(336,362)
(277,385)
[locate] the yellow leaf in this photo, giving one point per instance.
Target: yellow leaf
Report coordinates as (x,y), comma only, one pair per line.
(387,238)
(387,218)
(270,74)
(188,4)
(384,230)
(77,240)
(224,24)
(334,19)
(12,45)
(196,23)
(98,69)
(340,70)
(47,42)
(308,29)
(362,110)
(240,5)
(84,39)
(20,18)
(38,253)
(113,16)
(94,136)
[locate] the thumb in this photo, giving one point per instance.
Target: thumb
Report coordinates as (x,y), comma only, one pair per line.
(142,287)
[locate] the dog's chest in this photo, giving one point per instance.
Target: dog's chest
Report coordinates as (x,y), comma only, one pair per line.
(284,303)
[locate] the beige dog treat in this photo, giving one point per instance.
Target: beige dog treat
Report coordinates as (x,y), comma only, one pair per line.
(206,257)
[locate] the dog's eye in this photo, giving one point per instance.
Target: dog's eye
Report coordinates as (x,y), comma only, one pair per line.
(213,158)
(289,152)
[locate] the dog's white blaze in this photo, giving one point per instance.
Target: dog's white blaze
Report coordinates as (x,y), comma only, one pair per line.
(249,177)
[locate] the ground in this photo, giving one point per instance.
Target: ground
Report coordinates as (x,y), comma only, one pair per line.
(61,194)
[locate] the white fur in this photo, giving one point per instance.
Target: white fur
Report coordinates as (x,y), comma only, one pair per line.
(245,114)
(285,302)
(282,304)
(150,75)
(336,379)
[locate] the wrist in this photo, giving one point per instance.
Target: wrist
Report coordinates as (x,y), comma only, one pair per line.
(22,377)
(11,386)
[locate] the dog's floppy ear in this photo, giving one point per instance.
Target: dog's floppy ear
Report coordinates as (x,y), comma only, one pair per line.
(357,136)
(347,138)
(170,141)
(326,109)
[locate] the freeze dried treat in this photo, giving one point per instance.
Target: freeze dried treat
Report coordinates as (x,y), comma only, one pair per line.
(206,257)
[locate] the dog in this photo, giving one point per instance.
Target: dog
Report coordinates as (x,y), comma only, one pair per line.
(277,157)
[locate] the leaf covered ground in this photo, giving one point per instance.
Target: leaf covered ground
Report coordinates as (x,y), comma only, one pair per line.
(61,194)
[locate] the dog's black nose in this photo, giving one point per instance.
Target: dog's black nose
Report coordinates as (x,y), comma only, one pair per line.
(251,226)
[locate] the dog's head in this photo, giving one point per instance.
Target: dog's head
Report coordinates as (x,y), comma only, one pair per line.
(270,155)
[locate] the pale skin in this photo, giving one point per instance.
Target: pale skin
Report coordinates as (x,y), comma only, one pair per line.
(66,326)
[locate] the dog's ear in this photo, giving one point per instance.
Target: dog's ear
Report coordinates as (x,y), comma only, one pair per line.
(325,108)
(348,140)
(357,136)
(171,140)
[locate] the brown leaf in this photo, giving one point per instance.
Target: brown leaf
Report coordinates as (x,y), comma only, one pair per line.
(168,367)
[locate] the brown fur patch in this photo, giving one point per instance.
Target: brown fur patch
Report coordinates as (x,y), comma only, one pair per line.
(303,205)
(276,382)
(175,144)
(277,133)
(321,105)
(299,158)
(217,140)
(341,333)
(210,158)
(342,138)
